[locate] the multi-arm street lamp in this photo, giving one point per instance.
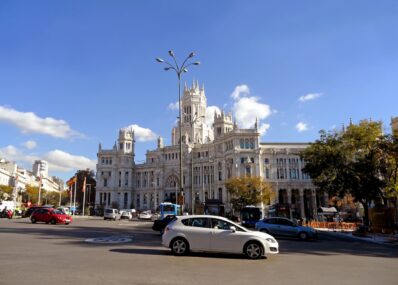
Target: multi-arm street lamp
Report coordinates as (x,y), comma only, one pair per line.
(179,70)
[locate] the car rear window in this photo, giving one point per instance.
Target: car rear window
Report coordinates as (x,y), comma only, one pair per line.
(108,211)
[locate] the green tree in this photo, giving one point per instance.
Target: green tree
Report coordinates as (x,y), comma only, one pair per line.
(349,162)
(31,194)
(389,161)
(90,186)
(5,192)
(248,191)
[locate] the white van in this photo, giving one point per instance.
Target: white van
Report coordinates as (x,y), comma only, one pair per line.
(111,214)
(9,204)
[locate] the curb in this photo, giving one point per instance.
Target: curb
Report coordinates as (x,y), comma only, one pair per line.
(370,239)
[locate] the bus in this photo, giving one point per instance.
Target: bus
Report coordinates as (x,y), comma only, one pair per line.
(280,210)
(167,208)
(250,215)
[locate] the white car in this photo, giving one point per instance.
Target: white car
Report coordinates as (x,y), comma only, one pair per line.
(146,215)
(216,234)
(125,215)
(111,214)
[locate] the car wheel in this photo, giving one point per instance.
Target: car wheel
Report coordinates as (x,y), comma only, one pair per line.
(66,223)
(179,246)
(104,219)
(303,235)
(53,221)
(264,231)
(33,220)
(253,250)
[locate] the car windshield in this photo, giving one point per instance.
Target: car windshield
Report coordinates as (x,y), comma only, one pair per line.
(58,212)
(108,211)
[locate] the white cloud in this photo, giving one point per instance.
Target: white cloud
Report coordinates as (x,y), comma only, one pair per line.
(10,152)
(263,129)
(58,160)
(247,109)
(209,118)
(173,106)
(61,161)
(301,127)
(29,122)
(310,96)
(142,134)
(240,89)
(30,144)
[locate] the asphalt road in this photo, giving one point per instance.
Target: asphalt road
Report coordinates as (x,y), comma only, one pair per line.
(50,254)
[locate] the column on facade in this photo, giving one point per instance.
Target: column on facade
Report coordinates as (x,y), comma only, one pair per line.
(302,211)
(141,200)
(313,200)
(276,198)
(289,195)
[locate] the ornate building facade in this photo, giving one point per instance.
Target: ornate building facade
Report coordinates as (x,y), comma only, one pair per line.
(210,157)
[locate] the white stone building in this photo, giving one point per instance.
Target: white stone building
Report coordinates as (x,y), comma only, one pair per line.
(18,178)
(210,157)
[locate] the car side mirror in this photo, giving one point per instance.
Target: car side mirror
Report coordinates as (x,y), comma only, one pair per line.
(233,229)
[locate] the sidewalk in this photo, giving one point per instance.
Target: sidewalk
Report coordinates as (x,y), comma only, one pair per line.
(385,239)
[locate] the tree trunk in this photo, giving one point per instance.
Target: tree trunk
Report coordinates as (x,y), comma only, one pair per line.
(366,210)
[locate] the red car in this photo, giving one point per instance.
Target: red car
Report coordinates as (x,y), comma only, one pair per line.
(50,215)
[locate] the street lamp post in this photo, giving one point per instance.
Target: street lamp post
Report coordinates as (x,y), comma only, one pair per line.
(192,122)
(179,70)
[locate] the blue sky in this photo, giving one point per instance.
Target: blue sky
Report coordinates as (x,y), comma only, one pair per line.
(73,72)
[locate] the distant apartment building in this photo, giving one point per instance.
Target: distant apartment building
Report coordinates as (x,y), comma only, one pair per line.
(13,175)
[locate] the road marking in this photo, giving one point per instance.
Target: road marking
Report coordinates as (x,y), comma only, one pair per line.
(110,240)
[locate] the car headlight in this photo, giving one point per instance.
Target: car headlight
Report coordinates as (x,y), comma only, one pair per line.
(271,240)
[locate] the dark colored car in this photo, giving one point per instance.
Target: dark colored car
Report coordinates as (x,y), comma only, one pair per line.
(30,211)
(159,225)
(50,215)
(279,226)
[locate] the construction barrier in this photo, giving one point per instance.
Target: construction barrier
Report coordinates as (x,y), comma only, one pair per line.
(333,225)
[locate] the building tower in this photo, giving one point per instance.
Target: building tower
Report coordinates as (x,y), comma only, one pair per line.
(40,168)
(222,124)
(193,104)
(126,142)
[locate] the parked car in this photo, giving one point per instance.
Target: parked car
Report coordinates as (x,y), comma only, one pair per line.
(132,211)
(146,215)
(125,215)
(216,234)
(279,226)
(111,214)
(65,210)
(50,215)
(159,225)
(30,210)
